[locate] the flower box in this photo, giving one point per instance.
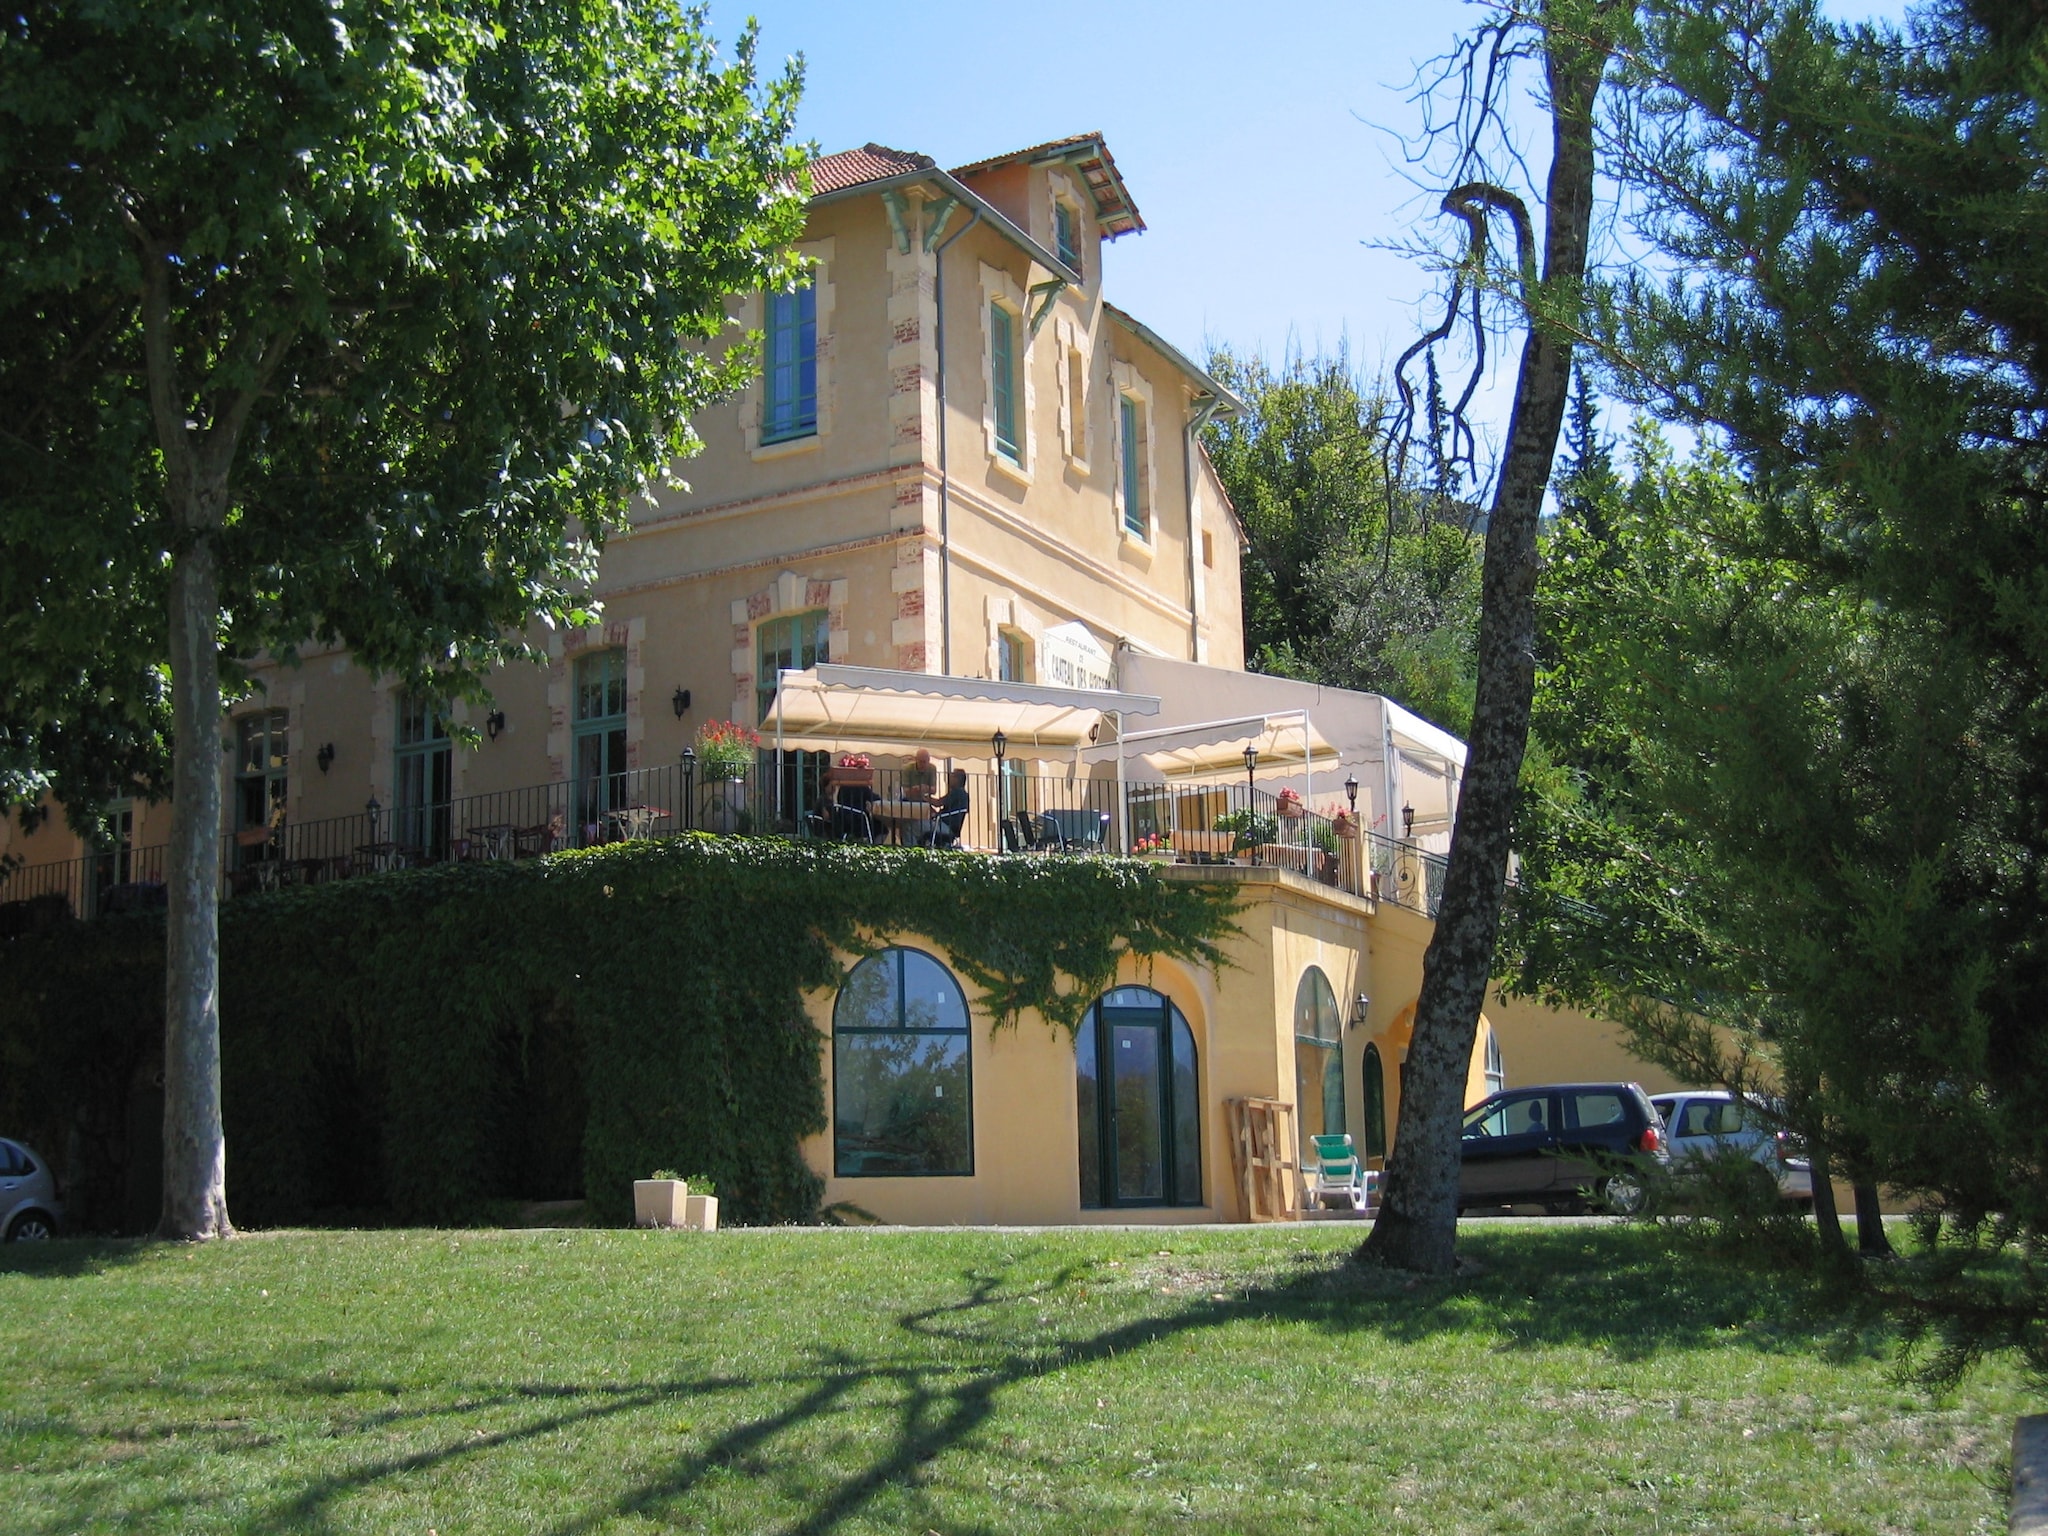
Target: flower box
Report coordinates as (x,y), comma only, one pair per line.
(840,774)
(661,1203)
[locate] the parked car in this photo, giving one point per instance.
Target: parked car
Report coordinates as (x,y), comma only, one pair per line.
(29,1209)
(1707,1121)
(1561,1146)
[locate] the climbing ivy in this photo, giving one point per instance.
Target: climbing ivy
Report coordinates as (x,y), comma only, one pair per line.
(421,1042)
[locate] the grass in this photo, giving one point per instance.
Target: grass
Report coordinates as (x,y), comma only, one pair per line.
(1586,1379)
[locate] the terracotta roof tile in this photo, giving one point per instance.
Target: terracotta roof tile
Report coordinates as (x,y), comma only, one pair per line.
(871,162)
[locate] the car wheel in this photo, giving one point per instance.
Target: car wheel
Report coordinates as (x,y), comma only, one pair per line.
(1623,1194)
(31,1227)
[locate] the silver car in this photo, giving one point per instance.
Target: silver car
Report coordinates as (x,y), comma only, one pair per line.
(1706,1121)
(29,1210)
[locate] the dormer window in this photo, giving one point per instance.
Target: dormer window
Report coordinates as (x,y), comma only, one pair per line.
(1067,233)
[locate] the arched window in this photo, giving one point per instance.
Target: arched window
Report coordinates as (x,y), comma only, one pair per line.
(1140,1102)
(1318,1059)
(902,1085)
(1375,1086)
(1496,1063)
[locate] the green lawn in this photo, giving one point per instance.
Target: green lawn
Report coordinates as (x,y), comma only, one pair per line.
(1588,1379)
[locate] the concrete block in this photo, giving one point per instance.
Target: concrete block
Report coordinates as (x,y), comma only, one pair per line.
(2030,1475)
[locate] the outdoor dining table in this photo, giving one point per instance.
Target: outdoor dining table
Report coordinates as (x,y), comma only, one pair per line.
(493,841)
(637,820)
(900,815)
(378,857)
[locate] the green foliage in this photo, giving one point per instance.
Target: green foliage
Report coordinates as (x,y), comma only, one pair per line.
(1351,578)
(418,1042)
(702,1184)
(1251,828)
(374,250)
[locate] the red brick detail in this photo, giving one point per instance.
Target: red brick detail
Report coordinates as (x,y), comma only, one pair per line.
(910,605)
(905,381)
(910,658)
(742,635)
(909,493)
(760,605)
(818,594)
(907,331)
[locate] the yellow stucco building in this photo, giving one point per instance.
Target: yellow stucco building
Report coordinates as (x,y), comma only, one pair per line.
(965,503)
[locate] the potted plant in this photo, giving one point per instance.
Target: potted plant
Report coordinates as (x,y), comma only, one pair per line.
(725,749)
(1156,846)
(1248,829)
(700,1212)
(852,768)
(662,1200)
(1288,804)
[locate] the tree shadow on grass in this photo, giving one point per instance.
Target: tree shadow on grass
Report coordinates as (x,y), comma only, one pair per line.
(941,1374)
(69,1258)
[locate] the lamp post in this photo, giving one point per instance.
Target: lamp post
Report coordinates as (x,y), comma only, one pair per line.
(690,788)
(998,745)
(370,809)
(1251,790)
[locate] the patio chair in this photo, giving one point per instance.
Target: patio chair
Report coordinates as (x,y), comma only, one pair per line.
(1041,833)
(946,829)
(1336,1174)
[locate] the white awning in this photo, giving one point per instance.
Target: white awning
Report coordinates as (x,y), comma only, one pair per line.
(1212,748)
(876,709)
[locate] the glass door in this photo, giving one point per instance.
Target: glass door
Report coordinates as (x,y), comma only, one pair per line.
(1137,1109)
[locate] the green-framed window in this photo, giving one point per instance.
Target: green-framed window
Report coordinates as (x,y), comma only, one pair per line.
(789,365)
(1318,1059)
(1067,234)
(1002,371)
(262,762)
(902,1070)
(423,762)
(793,642)
(598,740)
(1130,424)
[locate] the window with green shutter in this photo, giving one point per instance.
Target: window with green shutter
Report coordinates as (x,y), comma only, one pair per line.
(1002,367)
(789,365)
(1067,240)
(1129,420)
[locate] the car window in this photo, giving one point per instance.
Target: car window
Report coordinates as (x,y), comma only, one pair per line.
(1710,1117)
(13,1163)
(1489,1119)
(1664,1107)
(1594,1107)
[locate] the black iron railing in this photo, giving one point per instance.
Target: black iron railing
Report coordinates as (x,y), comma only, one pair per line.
(1024,810)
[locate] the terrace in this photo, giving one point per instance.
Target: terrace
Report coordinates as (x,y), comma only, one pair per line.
(1046,772)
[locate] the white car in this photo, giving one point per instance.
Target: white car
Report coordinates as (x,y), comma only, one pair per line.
(1705,1121)
(29,1211)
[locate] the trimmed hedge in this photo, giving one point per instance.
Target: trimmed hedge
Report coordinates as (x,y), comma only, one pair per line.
(423,1042)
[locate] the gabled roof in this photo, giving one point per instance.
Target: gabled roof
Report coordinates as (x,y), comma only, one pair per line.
(1115,209)
(871,162)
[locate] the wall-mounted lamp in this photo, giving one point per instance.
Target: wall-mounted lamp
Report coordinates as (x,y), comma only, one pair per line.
(681,702)
(1351,792)
(325,757)
(494,722)
(1408,822)
(1358,1011)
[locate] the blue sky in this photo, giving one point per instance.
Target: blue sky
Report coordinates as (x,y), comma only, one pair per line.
(1259,141)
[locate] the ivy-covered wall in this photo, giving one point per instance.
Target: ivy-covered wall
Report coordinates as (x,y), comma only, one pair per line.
(420,1043)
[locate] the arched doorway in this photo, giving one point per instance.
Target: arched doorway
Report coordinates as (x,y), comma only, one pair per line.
(1375,1094)
(1138,1094)
(1318,1059)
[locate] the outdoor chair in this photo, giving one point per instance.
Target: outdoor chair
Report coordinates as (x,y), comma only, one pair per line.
(946,829)
(1336,1173)
(1041,833)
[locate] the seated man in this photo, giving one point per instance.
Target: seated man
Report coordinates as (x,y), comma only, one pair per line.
(950,814)
(921,778)
(852,813)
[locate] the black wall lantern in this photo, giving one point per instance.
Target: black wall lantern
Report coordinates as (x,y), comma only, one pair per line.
(681,702)
(1408,822)
(325,757)
(494,722)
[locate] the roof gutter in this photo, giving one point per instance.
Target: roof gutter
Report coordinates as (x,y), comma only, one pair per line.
(1227,403)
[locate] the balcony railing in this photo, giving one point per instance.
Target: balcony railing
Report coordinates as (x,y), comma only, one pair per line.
(1015,812)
